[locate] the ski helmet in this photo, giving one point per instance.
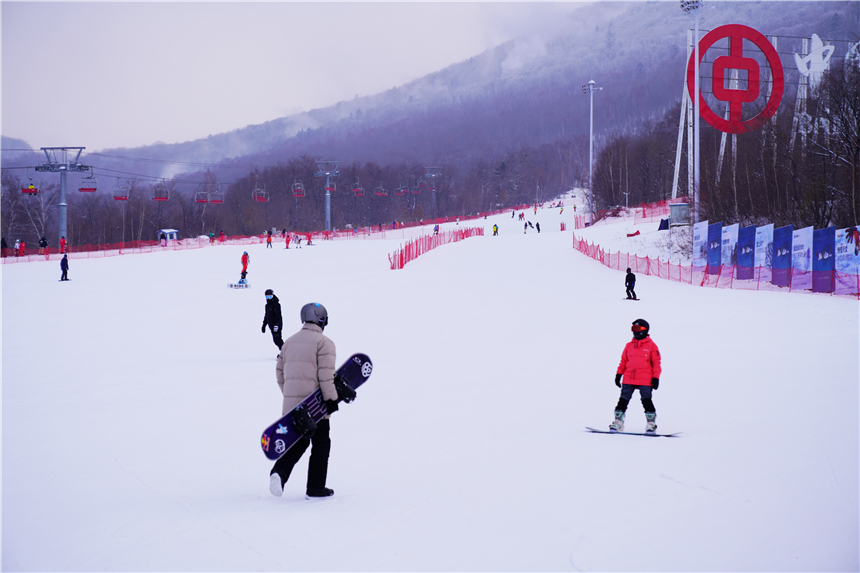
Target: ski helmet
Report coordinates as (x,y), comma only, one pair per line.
(628,269)
(640,328)
(269,291)
(315,313)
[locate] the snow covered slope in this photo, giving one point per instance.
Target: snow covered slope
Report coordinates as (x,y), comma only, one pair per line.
(134,397)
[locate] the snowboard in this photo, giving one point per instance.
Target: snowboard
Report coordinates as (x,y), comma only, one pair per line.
(650,434)
(302,420)
(238,285)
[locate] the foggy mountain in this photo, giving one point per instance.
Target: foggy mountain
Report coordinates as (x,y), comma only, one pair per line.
(526,92)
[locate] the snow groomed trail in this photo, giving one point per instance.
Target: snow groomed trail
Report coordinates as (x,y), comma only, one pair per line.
(134,397)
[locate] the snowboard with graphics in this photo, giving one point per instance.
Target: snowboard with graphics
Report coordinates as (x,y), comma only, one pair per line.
(302,420)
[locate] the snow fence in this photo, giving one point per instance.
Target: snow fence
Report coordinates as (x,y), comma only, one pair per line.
(841,284)
(417,247)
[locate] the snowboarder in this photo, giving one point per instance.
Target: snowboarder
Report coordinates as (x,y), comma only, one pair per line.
(287,240)
(245,260)
(537,226)
(630,283)
(640,369)
(495,230)
(307,362)
(64,266)
(272,318)
(268,239)
(43,244)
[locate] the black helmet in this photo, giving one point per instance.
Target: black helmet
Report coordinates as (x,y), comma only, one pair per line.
(640,328)
(269,291)
(628,269)
(315,313)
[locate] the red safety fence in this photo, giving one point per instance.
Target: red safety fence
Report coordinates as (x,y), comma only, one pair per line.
(417,247)
(725,276)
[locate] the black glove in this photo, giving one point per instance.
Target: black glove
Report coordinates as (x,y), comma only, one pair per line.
(264,328)
(618,380)
(344,391)
(331,406)
(655,383)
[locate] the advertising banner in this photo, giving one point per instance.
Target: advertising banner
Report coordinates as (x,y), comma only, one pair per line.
(782,256)
(764,251)
(715,243)
(823,259)
(847,261)
(729,253)
(746,253)
(700,245)
(801,258)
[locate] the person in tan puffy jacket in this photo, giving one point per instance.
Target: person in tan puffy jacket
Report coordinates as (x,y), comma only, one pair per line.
(307,362)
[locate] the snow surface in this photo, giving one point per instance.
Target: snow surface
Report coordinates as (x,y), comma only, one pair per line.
(134,397)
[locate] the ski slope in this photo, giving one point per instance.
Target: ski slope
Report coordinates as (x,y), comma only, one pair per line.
(135,394)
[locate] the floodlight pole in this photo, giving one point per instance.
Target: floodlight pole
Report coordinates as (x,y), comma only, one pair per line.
(58,161)
(589,89)
(693,7)
(327,169)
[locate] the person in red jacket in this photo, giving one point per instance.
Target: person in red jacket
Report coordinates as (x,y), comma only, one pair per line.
(640,370)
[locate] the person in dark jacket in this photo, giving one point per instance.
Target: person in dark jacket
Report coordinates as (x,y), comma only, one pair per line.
(273,318)
(43,245)
(64,266)
(630,283)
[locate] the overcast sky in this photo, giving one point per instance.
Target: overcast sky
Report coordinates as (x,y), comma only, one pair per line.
(125,74)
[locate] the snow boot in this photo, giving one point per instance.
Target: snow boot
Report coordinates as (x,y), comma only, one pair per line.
(618,424)
(313,493)
(651,424)
(276,488)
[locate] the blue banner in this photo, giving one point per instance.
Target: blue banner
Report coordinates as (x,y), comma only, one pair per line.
(782,256)
(746,253)
(823,259)
(715,244)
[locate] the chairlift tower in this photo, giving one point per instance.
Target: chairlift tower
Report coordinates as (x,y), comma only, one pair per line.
(589,89)
(59,160)
(327,169)
(432,173)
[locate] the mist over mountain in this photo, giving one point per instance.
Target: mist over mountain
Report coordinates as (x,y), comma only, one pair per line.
(525,92)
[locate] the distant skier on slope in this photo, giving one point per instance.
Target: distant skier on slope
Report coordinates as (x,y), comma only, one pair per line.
(273,319)
(630,283)
(640,369)
(245,261)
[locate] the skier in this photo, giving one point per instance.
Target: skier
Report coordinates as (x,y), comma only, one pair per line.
(640,369)
(64,266)
(17,247)
(630,283)
(288,240)
(307,362)
(272,318)
(245,260)
(525,228)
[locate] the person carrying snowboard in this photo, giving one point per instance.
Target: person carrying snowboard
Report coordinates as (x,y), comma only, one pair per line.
(272,318)
(245,260)
(307,362)
(640,370)
(630,283)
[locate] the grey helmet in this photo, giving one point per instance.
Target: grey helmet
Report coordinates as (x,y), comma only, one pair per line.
(315,313)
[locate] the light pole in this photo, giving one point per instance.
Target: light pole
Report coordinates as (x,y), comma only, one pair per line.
(589,89)
(692,7)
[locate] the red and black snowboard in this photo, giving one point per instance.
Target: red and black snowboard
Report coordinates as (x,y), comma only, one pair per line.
(302,420)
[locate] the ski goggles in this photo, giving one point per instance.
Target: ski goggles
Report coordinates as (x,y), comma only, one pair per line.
(638,328)
(268,297)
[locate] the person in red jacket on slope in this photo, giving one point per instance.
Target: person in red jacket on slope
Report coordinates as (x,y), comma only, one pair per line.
(640,369)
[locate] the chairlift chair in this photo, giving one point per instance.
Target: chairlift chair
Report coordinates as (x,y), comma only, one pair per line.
(380,192)
(30,186)
(358,190)
(260,194)
(331,187)
(298,189)
(160,192)
(201,196)
(120,192)
(216,197)
(89,184)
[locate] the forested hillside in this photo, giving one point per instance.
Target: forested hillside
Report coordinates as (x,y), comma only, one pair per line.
(506,127)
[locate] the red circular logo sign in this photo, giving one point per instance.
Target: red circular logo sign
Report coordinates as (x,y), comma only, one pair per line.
(737,33)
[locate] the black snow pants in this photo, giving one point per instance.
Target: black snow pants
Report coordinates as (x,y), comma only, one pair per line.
(318,464)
